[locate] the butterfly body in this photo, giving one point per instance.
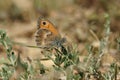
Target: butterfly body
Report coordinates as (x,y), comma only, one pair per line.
(47,35)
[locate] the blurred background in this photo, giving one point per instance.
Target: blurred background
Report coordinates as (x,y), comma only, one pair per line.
(73,18)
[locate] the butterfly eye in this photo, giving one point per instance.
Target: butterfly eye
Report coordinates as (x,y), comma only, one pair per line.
(44,23)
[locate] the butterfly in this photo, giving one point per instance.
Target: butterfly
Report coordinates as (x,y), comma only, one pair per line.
(47,34)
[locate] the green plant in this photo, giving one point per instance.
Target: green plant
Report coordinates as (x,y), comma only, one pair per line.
(66,61)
